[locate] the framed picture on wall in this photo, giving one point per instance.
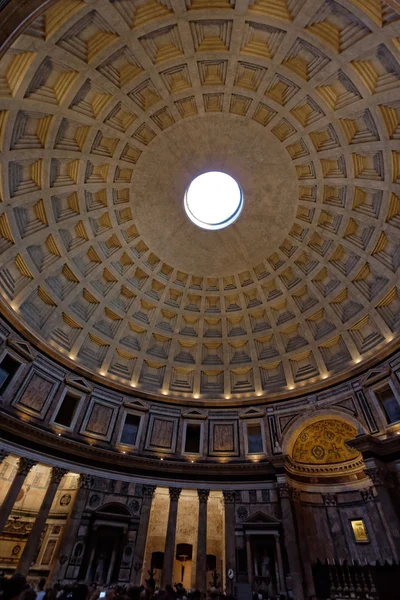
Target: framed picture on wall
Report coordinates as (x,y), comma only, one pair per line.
(359,531)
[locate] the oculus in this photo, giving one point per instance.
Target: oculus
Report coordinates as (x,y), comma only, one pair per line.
(213,200)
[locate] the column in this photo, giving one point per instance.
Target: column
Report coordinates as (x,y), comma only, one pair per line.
(230,542)
(169,553)
(249,559)
(281,574)
(201,559)
(383,550)
(381,480)
(141,534)
(290,537)
(335,525)
(71,529)
(303,545)
(34,539)
(24,466)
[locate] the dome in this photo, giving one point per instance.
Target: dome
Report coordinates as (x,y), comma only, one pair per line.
(199,295)
(110,110)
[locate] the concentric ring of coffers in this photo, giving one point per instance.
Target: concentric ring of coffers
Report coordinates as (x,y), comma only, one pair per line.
(89,88)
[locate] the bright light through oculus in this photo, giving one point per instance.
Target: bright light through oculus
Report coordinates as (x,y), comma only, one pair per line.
(213,200)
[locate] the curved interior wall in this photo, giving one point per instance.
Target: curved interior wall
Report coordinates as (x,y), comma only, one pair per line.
(37,387)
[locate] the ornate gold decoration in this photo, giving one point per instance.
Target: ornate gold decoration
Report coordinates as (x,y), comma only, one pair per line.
(359,530)
(324,442)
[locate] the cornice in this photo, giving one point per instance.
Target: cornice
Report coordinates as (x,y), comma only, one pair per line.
(29,436)
(388,449)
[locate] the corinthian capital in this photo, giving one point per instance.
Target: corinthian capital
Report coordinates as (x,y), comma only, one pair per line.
(285,490)
(57,474)
(148,491)
(329,499)
(203,496)
(368,494)
(378,475)
(229,496)
(85,481)
(174,494)
(25,465)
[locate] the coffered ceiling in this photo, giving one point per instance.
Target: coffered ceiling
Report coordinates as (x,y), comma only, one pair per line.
(108,109)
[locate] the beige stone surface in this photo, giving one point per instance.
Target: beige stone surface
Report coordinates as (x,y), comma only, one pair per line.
(26,509)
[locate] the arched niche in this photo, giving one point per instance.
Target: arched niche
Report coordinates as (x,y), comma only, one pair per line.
(303,420)
(318,451)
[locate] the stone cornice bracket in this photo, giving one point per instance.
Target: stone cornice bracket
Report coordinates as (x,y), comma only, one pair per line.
(368,494)
(279,462)
(378,476)
(85,481)
(285,490)
(203,496)
(25,465)
(329,499)
(57,473)
(148,491)
(229,497)
(174,493)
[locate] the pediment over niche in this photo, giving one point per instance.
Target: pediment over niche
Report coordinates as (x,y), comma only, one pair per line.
(23,348)
(375,375)
(261,519)
(252,412)
(195,413)
(79,382)
(136,404)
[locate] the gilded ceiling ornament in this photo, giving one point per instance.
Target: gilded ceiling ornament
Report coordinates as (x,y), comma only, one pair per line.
(324,442)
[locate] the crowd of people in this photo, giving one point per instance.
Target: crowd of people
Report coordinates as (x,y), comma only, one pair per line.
(16,587)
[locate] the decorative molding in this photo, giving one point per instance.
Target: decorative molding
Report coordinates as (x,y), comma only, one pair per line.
(25,465)
(174,493)
(57,473)
(203,496)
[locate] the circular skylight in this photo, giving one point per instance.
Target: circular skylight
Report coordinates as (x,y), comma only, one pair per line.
(213,200)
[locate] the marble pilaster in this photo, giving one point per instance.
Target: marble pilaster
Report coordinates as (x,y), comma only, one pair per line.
(141,535)
(201,559)
(29,553)
(336,527)
(230,546)
(383,501)
(72,527)
(304,547)
(169,553)
(24,466)
(290,538)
